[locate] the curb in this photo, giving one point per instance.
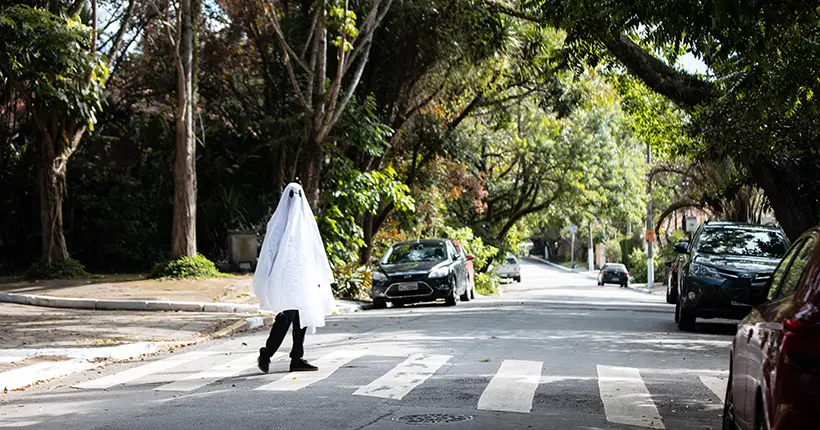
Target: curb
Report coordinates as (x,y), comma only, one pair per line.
(342,307)
(643,290)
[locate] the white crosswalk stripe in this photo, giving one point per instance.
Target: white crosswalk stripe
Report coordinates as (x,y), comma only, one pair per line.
(716,385)
(626,398)
(513,387)
(209,376)
(403,378)
(140,371)
(327,365)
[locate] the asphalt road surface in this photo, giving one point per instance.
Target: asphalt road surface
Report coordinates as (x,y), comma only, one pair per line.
(555,352)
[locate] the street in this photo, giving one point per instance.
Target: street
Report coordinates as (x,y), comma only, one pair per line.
(554,352)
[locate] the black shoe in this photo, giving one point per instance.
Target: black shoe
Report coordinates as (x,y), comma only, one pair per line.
(263,362)
(300,365)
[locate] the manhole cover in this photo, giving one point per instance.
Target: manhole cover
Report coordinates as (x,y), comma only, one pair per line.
(421,419)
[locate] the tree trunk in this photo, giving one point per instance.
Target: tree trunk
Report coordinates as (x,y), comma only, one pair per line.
(310,171)
(366,251)
(793,211)
(52,190)
(183,240)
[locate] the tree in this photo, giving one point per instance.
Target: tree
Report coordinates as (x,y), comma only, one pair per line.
(53,65)
(759,108)
(183,236)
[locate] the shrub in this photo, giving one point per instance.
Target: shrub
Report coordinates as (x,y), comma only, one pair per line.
(487,284)
(186,268)
(473,244)
(68,269)
(637,266)
(353,282)
(613,251)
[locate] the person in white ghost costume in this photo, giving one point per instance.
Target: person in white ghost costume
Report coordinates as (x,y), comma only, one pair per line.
(293,278)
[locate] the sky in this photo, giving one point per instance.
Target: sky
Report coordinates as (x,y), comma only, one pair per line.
(692,64)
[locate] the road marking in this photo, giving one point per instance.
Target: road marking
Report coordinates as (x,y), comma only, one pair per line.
(716,385)
(626,399)
(209,376)
(138,372)
(327,365)
(513,387)
(403,378)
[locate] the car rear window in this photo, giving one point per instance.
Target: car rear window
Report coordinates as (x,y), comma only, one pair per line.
(511,260)
(742,242)
(615,267)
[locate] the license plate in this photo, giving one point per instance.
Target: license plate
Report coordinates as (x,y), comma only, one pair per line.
(408,287)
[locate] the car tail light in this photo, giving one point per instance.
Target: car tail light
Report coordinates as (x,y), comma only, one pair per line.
(605,272)
(801,345)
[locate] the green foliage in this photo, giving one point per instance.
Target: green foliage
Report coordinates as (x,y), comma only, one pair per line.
(487,284)
(353,282)
(638,264)
(47,56)
(472,244)
(613,251)
(352,192)
(197,267)
(67,269)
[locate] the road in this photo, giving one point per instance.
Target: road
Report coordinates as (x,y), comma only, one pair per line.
(555,352)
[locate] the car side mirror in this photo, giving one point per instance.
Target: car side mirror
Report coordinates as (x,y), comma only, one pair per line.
(470,257)
(682,247)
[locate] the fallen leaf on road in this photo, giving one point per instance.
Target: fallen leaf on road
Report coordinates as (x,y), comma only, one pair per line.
(484,361)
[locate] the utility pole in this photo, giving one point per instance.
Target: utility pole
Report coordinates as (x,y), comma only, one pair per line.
(650,227)
(591,251)
(572,229)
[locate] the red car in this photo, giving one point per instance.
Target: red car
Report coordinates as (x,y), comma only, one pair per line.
(470,267)
(774,376)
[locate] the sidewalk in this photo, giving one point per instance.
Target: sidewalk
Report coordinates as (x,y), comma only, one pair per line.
(51,329)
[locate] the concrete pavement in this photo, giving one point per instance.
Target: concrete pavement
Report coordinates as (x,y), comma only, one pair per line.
(556,352)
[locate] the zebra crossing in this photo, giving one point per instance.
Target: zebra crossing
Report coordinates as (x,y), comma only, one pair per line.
(623,392)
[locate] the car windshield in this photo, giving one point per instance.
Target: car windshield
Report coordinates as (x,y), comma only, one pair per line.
(415,252)
(748,243)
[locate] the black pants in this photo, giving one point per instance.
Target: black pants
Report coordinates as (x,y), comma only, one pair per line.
(280,328)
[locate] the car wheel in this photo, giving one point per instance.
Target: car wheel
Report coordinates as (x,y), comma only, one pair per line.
(600,284)
(760,416)
(472,292)
(466,296)
(518,279)
(379,303)
(729,407)
(684,317)
(671,296)
(625,285)
(452,299)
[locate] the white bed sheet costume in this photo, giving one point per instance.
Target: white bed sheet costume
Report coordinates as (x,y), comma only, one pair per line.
(293,271)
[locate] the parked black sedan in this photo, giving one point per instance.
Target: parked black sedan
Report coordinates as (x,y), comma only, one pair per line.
(422,270)
(724,270)
(613,273)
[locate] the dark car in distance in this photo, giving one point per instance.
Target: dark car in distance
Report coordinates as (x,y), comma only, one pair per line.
(774,373)
(613,273)
(423,270)
(726,267)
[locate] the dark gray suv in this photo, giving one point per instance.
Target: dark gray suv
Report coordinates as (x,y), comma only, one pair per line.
(723,269)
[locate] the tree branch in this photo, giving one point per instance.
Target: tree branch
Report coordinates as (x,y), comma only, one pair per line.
(683,88)
(132,4)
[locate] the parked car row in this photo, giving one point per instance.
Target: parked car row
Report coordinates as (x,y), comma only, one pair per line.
(749,272)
